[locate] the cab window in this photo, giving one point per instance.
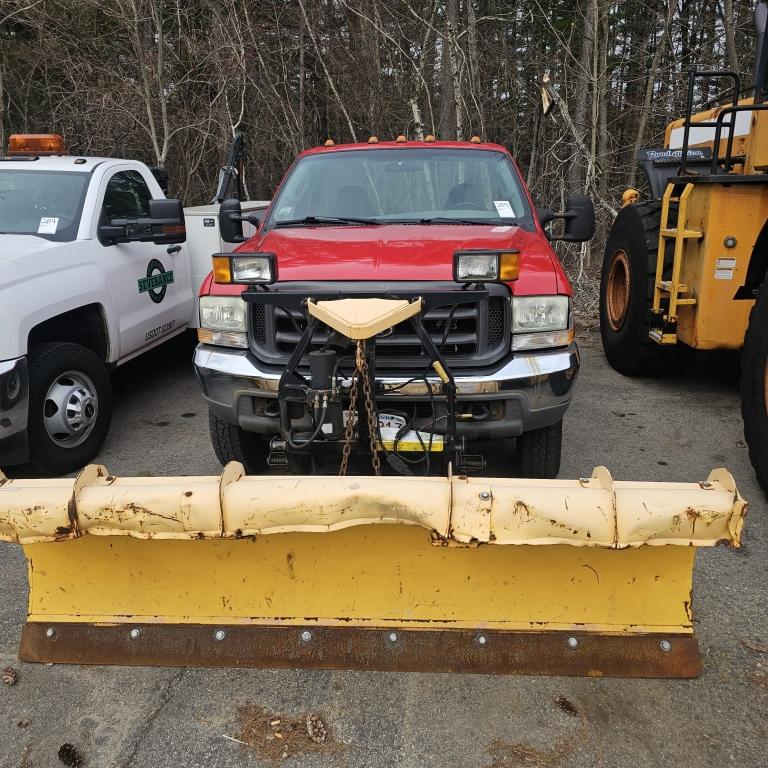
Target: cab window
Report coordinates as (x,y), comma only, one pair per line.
(127,196)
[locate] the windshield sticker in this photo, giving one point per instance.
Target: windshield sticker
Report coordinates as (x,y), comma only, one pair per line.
(48,225)
(286,210)
(156,282)
(504,209)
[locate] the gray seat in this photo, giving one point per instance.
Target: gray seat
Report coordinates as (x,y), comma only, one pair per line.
(464,193)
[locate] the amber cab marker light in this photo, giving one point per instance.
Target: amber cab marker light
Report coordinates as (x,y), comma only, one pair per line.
(400,139)
(373,140)
(429,138)
(329,143)
(222,272)
(36,144)
(509,266)
(475,140)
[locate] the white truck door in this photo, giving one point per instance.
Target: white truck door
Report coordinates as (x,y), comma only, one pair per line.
(150,284)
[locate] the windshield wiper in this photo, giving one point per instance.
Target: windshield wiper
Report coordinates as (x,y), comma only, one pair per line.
(447,220)
(309,220)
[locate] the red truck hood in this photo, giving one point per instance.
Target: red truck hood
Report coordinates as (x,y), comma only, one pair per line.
(404,252)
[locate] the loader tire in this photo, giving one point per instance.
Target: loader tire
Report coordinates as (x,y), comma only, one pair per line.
(538,452)
(754,386)
(231,443)
(626,296)
(70,407)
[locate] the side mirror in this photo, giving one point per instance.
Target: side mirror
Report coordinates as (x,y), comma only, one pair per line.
(579,216)
(164,226)
(545,215)
(231,221)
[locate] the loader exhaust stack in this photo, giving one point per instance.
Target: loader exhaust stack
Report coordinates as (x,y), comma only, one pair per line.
(568,577)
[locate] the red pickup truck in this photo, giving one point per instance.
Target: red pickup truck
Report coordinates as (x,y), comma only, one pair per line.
(395,218)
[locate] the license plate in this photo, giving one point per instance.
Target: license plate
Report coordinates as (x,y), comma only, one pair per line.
(386,420)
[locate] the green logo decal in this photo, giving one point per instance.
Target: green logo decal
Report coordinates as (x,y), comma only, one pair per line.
(156,281)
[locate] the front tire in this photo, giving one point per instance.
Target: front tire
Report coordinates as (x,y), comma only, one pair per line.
(231,443)
(626,296)
(70,407)
(538,452)
(754,386)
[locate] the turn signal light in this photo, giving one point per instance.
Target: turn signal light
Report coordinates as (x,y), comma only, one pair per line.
(222,272)
(36,144)
(509,266)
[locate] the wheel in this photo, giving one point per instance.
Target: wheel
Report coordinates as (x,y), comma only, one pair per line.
(538,451)
(626,296)
(231,443)
(754,386)
(70,407)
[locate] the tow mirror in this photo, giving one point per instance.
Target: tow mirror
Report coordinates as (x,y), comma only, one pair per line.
(164,226)
(579,218)
(231,221)
(231,218)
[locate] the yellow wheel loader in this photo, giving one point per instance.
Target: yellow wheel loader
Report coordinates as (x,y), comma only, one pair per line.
(451,573)
(686,269)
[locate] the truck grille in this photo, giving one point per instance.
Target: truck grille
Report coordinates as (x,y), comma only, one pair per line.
(469,335)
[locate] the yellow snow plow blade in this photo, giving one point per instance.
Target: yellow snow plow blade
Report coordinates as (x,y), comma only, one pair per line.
(572,577)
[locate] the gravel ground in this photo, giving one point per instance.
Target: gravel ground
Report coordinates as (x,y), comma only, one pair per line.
(645,430)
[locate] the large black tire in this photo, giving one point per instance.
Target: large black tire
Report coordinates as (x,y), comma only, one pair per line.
(754,386)
(538,451)
(626,295)
(231,443)
(71,381)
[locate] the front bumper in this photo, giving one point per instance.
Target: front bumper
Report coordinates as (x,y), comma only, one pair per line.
(529,390)
(14,405)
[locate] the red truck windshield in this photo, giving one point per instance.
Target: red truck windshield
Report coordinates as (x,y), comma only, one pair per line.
(396,185)
(43,203)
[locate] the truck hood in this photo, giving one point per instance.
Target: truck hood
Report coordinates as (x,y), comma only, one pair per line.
(18,246)
(402,252)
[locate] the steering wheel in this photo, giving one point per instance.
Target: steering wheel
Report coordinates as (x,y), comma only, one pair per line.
(468,205)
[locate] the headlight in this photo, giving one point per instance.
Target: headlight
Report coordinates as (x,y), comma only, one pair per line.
(223,321)
(541,321)
(485,266)
(245,268)
(539,313)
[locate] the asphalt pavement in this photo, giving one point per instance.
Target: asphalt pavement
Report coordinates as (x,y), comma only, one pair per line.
(674,429)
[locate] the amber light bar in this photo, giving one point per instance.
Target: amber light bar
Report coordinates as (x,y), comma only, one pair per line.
(36,144)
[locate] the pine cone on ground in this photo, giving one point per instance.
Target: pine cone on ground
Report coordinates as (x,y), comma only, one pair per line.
(70,756)
(10,676)
(316,729)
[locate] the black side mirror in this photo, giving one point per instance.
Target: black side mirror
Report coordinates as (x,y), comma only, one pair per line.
(164,226)
(231,221)
(579,216)
(166,218)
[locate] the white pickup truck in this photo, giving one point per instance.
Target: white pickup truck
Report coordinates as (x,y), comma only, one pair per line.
(93,272)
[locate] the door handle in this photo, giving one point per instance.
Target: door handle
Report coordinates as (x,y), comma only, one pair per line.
(173,249)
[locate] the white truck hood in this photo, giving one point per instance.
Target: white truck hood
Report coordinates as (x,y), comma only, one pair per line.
(18,246)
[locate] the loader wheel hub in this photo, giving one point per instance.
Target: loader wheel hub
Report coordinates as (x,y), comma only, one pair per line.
(71,409)
(617,293)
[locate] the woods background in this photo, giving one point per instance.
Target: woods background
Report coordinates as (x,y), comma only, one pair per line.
(168,81)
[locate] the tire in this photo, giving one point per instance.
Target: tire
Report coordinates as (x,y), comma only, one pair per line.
(231,443)
(538,452)
(754,386)
(626,296)
(69,391)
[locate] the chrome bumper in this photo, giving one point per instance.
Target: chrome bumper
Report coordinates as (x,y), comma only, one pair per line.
(14,404)
(537,388)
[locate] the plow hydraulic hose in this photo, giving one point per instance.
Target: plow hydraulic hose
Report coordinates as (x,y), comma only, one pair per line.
(581,577)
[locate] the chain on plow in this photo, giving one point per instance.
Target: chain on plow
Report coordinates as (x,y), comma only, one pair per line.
(361,372)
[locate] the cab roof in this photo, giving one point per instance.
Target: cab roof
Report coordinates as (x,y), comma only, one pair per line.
(405,145)
(54,162)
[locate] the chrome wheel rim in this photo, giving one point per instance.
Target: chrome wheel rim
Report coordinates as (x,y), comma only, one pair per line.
(617,291)
(70,409)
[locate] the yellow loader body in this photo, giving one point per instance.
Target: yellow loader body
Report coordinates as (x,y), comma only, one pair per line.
(582,577)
